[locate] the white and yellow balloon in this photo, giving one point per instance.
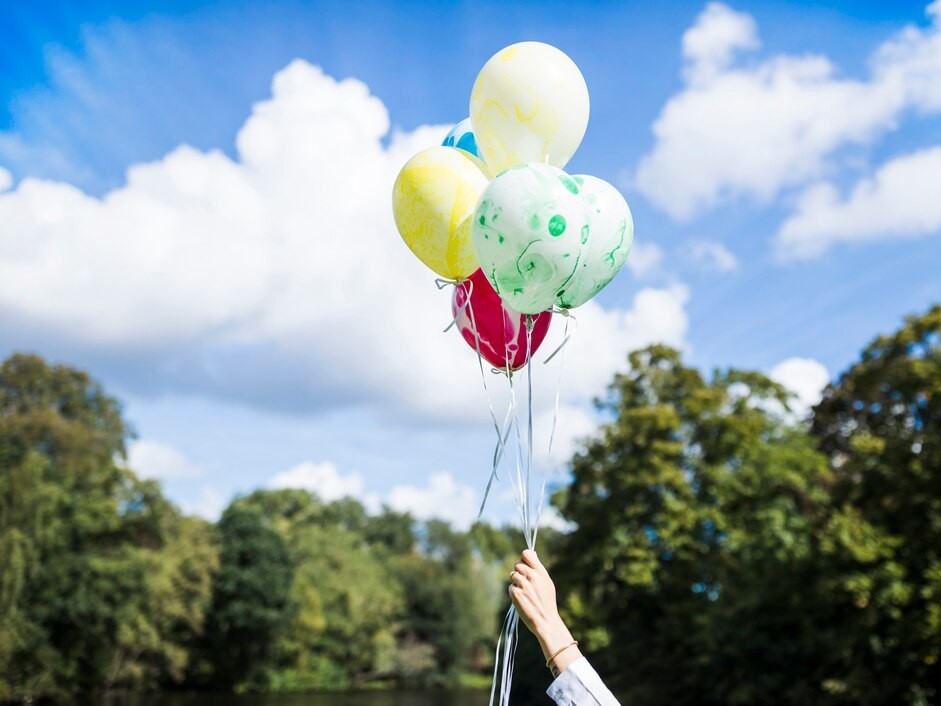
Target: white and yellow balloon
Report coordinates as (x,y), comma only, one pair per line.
(529,104)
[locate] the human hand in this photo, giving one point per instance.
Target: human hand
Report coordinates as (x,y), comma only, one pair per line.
(533,593)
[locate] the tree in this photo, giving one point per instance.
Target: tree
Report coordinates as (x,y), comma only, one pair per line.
(696,569)
(251,598)
(880,427)
(103,579)
(452,591)
(347,599)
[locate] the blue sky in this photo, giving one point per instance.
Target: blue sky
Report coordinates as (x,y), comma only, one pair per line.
(247,296)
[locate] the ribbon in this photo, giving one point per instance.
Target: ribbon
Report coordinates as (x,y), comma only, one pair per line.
(508,640)
(442,283)
(566,337)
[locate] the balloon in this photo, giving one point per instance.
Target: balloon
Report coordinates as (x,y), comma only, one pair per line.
(501,331)
(433,202)
(462,137)
(529,230)
(612,234)
(529,104)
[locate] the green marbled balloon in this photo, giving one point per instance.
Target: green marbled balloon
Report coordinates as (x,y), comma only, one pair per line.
(529,231)
(612,234)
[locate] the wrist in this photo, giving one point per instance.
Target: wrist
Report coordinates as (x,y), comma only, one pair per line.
(552,636)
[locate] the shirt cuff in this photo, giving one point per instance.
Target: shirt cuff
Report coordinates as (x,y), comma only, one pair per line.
(580,685)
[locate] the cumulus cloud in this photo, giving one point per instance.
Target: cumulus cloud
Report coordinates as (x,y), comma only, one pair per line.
(443,498)
(152,459)
(805,377)
(209,505)
(710,45)
(753,128)
(604,336)
(6,179)
(902,200)
(550,517)
(573,426)
(275,278)
(713,256)
(324,479)
(645,258)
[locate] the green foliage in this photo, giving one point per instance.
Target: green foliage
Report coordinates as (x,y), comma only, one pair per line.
(697,509)
(250,599)
(373,603)
(724,555)
(103,582)
(723,552)
(342,632)
(452,570)
(880,426)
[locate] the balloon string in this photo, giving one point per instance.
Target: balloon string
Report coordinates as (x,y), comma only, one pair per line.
(542,497)
(496,656)
(519,491)
(555,422)
(508,640)
(462,308)
(501,435)
(567,336)
(442,282)
(531,539)
(497,458)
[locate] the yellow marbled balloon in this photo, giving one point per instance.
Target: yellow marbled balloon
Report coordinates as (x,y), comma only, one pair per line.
(529,104)
(433,201)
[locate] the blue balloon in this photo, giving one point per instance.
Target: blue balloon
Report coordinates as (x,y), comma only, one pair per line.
(462,137)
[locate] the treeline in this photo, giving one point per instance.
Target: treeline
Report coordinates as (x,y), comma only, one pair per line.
(104,584)
(727,555)
(725,552)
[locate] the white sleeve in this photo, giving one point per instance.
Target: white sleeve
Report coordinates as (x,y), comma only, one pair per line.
(580,685)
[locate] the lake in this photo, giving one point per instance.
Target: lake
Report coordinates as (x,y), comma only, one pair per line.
(427,697)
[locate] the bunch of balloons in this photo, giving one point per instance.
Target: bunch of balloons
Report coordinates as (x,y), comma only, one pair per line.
(492,211)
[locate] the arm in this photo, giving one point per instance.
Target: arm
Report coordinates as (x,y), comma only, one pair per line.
(533,593)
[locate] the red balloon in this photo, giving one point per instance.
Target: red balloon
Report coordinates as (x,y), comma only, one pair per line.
(501,330)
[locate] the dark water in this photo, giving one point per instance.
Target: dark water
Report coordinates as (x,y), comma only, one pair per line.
(430,697)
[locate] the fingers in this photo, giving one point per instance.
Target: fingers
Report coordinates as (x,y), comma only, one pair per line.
(522,601)
(530,558)
(523,574)
(524,569)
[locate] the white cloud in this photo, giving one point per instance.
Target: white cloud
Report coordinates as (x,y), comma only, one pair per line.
(151,459)
(6,180)
(276,278)
(902,200)
(754,128)
(550,517)
(805,377)
(209,506)
(604,337)
(712,255)
(443,498)
(573,426)
(644,259)
(710,45)
(324,479)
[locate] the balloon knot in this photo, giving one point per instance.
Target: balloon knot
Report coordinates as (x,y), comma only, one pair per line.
(442,282)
